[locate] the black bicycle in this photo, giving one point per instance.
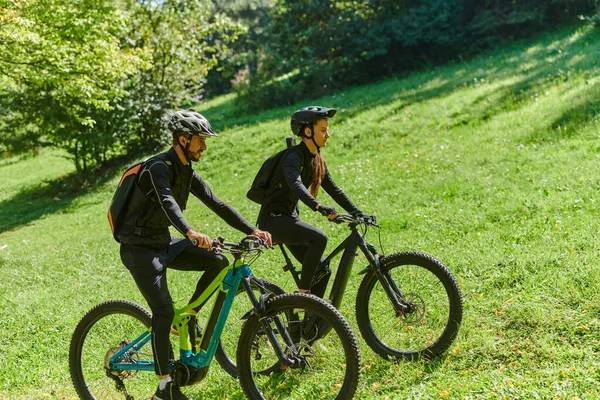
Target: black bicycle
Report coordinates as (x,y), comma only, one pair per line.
(408,305)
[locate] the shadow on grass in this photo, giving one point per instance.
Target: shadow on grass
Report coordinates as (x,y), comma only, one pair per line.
(545,65)
(50,197)
(535,61)
(584,110)
(13,159)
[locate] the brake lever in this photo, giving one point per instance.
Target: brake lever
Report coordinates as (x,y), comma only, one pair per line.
(337,220)
(217,245)
(370,220)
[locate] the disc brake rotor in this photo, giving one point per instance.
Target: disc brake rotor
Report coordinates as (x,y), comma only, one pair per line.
(417,308)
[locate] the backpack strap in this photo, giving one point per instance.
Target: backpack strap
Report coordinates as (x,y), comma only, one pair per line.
(141,230)
(275,186)
(148,163)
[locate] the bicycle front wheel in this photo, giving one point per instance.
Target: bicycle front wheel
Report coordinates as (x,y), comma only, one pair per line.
(100,334)
(434,308)
(325,368)
(225,354)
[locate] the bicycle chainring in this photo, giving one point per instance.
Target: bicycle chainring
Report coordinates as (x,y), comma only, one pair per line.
(186,375)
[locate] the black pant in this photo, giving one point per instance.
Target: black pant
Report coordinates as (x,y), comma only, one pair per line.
(149,270)
(306,243)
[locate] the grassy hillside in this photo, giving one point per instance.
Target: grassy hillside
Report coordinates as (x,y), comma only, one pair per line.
(489,165)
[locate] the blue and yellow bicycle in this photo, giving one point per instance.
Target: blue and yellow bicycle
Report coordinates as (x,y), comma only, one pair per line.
(278,353)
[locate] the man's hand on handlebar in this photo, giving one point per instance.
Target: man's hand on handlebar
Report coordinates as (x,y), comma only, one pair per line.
(199,239)
(266,236)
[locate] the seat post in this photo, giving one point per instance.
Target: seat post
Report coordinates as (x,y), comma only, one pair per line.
(289,266)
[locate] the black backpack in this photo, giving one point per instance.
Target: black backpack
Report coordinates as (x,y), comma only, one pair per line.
(260,185)
(118,206)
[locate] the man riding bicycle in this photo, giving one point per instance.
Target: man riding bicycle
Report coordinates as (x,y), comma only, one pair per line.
(147,248)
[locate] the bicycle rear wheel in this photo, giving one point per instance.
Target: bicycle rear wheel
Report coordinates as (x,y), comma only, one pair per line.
(100,334)
(226,351)
(326,368)
(434,315)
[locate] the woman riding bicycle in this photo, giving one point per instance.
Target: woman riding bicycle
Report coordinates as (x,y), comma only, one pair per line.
(302,167)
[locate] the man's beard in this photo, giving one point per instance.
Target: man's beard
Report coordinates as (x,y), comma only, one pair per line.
(194,156)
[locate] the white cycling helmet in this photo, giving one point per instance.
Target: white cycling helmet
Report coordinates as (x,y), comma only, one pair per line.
(192,123)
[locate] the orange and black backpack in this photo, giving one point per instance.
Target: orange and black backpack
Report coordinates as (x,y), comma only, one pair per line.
(118,206)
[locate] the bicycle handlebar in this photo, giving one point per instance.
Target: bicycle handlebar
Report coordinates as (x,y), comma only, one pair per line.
(369,220)
(253,243)
(247,245)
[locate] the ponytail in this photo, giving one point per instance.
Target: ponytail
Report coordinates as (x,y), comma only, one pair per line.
(318,172)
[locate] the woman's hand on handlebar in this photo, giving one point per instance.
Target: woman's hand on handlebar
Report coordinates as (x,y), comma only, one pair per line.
(199,239)
(363,219)
(266,236)
(369,220)
(329,212)
(366,219)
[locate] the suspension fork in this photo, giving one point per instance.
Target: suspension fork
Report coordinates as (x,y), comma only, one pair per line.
(385,279)
(259,306)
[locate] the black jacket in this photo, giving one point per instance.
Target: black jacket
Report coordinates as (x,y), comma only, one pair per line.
(164,184)
(291,178)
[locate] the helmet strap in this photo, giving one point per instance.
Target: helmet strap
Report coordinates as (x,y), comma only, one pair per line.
(186,148)
(312,137)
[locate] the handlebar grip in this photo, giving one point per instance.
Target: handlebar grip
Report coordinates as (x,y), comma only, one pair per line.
(370,220)
(215,242)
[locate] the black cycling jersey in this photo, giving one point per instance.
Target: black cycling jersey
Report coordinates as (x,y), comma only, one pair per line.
(148,250)
(295,169)
(279,214)
(164,184)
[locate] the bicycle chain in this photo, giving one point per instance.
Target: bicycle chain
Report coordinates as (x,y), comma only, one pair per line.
(120,386)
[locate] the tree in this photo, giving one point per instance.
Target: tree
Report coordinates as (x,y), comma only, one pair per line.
(314,47)
(97,78)
(242,62)
(60,60)
(185,40)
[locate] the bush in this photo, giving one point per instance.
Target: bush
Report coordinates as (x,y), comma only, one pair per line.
(326,45)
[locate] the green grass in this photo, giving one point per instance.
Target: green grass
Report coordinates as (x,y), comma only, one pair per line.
(489,165)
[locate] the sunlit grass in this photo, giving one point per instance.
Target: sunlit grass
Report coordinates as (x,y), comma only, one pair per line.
(490,165)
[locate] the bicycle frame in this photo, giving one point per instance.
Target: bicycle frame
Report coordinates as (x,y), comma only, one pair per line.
(349,246)
(227,284)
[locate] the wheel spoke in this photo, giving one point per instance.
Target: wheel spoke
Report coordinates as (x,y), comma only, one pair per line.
(101,334)
(434,308)
(226,353)
(325,368)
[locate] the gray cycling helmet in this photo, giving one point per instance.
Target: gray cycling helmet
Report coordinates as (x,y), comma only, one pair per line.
(308,116)
(192,123)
